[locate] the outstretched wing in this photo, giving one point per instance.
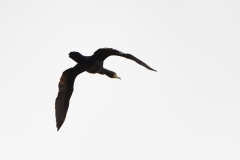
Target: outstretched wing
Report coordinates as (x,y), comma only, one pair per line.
(64,94)
(102,53)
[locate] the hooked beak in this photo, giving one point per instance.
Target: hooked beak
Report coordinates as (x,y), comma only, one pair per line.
(115,76)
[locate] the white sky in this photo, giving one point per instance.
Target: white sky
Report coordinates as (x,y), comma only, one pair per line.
(188,110)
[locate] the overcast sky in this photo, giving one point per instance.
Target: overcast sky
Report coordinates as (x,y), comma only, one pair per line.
(188,110)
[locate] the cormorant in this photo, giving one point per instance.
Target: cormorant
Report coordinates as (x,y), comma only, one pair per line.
(91,64)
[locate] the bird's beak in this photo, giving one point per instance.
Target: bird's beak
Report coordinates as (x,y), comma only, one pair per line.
(115,76)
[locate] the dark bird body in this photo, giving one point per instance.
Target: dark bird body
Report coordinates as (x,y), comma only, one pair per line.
(90,64)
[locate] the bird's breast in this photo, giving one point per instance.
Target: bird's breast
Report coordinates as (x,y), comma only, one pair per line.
(94,67)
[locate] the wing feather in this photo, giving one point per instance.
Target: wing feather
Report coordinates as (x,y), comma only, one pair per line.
(65,86)
(102,53)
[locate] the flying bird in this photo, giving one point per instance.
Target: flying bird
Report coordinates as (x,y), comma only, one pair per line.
(91,64)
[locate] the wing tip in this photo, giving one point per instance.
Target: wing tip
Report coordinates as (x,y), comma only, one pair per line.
(152,69)
(59,124)
(58,127)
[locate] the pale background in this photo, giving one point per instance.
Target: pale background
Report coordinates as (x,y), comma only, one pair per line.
(188,110)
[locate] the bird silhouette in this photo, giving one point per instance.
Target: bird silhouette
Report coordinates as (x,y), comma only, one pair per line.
(91,64)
